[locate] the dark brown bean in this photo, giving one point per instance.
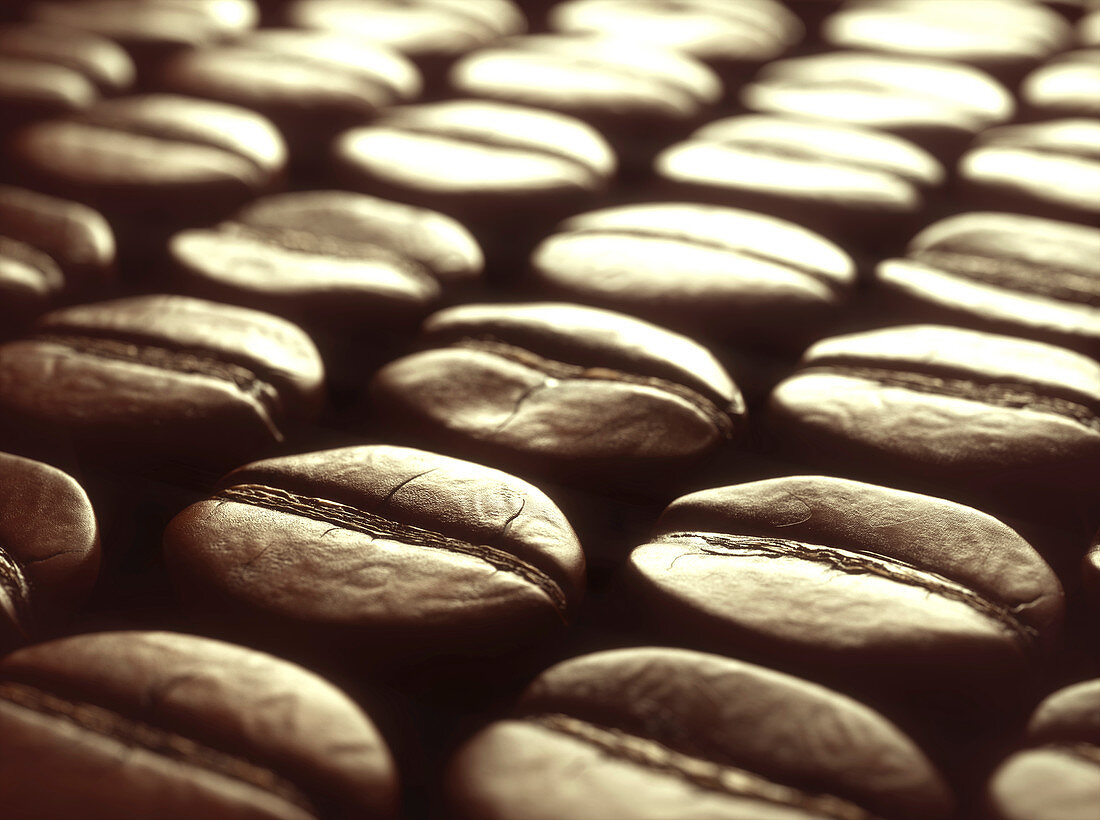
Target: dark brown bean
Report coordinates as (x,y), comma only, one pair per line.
(160,380)
(980,417)
(50,250)
(358,273)
(49,549)
(1018,275)
(382,553)
(894,595)
(650,733)
(725,274)
(156,724)
(576,394)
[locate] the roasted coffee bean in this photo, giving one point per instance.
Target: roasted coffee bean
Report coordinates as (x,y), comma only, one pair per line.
(893,595)
(507,172)
(859,185)
(50,250)
(1004,37)
(162,381)
(156,724)
(641,98)
(1017,275)
(650,733)
(1067,86)
(312,85)
(151,30)
(1049,169)
(388,553)
(722,273)
(731,37)
(1056,776)
(575,394)
(938,105)
(973,416)
(358,273)
(433,33)
(49,70)
(49,549)
(159,156)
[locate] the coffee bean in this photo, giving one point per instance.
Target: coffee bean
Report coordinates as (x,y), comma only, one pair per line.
(161,156)
(1017,275)
(160,380)
(51,70)
(652,732)
(938,105)
(1066,86)
(640,98)
(891,594)
(859,185)
(358,273)
(506,172)
(576,394)
(49,549)
(50,249)
(388,553)
(976,416)
(723,273)
(1049,169)
(1003,37)
(312,85)
(1057,775)
(728,36)
(156,724)
(433,33)
(151,30)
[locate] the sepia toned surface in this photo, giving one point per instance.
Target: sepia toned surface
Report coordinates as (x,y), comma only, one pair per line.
(400,398)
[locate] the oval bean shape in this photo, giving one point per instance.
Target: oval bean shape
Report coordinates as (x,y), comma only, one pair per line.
(405,553)
(886,591)
(159,724)
(578,394)
(647,733)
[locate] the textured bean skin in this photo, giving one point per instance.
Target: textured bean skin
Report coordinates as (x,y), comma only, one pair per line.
(112,378)
(1005,273)
(650,732)
(49,549)
(572,393)
(170,725)
(885,591)
(402,553)
(970,411)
